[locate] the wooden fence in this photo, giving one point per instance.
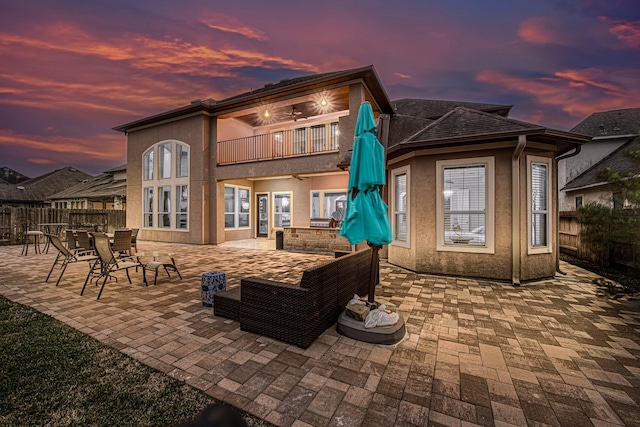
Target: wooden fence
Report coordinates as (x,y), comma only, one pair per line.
(14,220)
(605,253)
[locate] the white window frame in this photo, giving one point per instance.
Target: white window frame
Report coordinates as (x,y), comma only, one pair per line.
(160,202)
(575,201)
(273,204)
(236,208)
(148,200)
(181,216)
(152,179)
(322,206)
(546,249)
(489,163)
(404,170)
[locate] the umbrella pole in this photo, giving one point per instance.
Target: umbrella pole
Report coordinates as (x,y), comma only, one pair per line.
(373,273)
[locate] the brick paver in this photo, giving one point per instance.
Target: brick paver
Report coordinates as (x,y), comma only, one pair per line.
(477,352)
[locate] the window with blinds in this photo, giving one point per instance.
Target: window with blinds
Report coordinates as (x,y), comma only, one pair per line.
(400,201)
(465,205)
(539,204)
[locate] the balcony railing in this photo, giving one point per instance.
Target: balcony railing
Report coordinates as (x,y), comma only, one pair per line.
(278,145)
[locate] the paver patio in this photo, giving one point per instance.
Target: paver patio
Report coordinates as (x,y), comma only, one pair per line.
(477,352)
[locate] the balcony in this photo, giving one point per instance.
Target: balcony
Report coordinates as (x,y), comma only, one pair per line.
(297,142)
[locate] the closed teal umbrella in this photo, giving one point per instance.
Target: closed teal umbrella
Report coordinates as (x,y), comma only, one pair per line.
(366,215)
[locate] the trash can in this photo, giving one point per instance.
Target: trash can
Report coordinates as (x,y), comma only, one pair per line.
(280,240)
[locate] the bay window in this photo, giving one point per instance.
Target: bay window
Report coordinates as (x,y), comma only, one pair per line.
(538,198)
(399,206)
(465,205)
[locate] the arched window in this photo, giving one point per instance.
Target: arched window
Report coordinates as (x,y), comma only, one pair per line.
(165,186)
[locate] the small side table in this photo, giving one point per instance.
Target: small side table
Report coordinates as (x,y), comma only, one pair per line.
(212,283)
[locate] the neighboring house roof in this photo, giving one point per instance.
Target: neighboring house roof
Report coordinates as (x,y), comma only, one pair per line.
(284,88)
(610,123)
(99,188)
(40,188)
(464,125)
(9,176)
(618,160)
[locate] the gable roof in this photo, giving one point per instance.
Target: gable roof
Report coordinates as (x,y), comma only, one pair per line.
(612,123)
(617,160)
(40,188)
(9,176)
(286,87)
(98,188)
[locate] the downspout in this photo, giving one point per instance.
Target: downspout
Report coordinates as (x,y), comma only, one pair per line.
(562,157)
(515,210)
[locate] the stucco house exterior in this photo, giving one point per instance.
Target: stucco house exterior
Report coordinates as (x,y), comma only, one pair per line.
(470,191)
(609,131)
(588,187)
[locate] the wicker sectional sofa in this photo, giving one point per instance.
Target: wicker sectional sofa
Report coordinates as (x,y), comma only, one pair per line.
(297,314)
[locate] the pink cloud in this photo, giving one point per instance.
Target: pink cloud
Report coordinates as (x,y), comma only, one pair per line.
(576,92)
(537,30)
(627,32)
(232,25)
(169,55)
(66,149)
(402,76)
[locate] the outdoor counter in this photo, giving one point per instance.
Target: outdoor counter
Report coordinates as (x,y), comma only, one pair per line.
(315,239)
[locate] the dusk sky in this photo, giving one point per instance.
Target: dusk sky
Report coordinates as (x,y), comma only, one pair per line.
(71,70)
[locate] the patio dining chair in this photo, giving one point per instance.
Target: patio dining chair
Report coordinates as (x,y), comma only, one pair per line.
(84,240)
(72,240)
(66,257)
(122,242)
(134,239)
(108,263)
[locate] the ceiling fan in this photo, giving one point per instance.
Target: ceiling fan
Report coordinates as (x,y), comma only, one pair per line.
(295,114)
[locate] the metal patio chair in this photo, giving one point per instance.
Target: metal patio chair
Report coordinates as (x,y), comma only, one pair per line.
(108,263)
(122,242)
(66,257)
(84,240)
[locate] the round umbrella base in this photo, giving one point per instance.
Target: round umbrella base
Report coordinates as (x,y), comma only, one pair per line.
(354,329)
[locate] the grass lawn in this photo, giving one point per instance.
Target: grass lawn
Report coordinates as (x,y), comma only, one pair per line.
(54,375)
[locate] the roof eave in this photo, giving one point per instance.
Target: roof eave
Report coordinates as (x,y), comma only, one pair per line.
(367,74)
(461,139)
(572,139)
